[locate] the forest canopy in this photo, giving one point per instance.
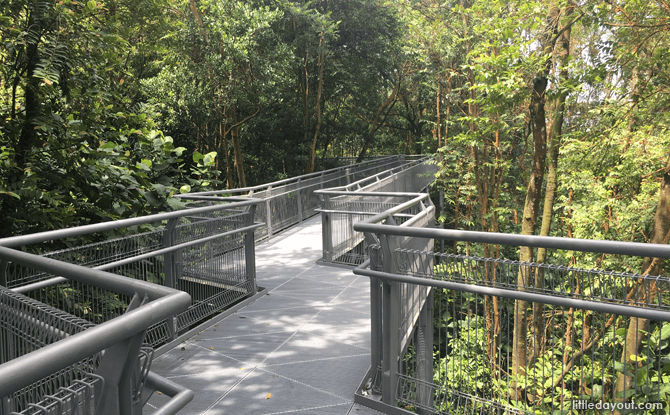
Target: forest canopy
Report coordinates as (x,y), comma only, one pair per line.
(544,114)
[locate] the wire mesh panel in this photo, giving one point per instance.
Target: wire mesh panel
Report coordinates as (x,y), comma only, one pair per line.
(213,272)
(567,359)
(343,208)
(289,203)
(27,325)
(80,398)
(91,255)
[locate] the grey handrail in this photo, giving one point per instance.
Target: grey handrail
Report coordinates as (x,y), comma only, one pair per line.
(53,281)
(179,394)
(550,242)
(27,369)
(14,241)
(618,309)
(278,182)
(380,176)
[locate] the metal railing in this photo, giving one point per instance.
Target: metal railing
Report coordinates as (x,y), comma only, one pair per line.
(346,205)
(458,334)
(207,252)
(54,362)
(84,310)
(290,201)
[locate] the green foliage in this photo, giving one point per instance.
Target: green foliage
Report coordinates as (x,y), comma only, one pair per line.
(76,145)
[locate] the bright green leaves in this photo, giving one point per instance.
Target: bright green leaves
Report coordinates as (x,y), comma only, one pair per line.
(204,159)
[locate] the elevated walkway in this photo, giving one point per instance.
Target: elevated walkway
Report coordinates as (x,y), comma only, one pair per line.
(301,349)
(293,336)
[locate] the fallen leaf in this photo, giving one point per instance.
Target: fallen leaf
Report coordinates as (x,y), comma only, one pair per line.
(241,368)
(267,324)
(268,396)
(211,348)
(159,393)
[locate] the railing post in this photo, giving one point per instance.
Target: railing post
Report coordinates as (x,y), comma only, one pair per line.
(376,343)
(326,231)
(3,273)
(170,263)
(268,213)
(424,344)
(250,249)
(120,369)
(299,202)
(391,321)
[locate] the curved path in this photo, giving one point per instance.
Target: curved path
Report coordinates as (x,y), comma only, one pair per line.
(301,349)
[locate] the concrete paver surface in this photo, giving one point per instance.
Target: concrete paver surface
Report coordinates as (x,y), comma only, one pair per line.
(302,349)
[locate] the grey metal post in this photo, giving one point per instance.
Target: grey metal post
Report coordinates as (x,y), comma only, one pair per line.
(376,341)
(170,269)
(391,321)
(250,248)
(119,369)
(268,217)
(326,231)
(299,202)
(424,344)
(3,273)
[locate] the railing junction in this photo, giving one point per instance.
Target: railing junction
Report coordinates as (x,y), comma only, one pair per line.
(70,317)
(444,334)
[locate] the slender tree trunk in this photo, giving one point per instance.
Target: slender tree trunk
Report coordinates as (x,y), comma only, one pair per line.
(379,119)
(319,91)
(638,327)
(28,137)
(531,208)
(554,143)
(237,148)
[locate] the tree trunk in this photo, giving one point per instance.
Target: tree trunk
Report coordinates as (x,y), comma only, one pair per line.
(637,327)
(379,119)
(237,148)
(554,143)
(28,137)
(310,168)
(531,207)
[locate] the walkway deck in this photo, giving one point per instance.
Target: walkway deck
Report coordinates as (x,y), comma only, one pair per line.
(301,349)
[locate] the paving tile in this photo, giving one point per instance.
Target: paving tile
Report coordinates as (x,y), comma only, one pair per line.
(237,325)
(340,376)
(355,335)
(272,282)
(272,302)
(337,409)
(250,397)
(299,283)
(208,387)
(340,316)
(310,346)
(335,280)
(271,268)
(248,350)
(188,359)
(292,314)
